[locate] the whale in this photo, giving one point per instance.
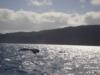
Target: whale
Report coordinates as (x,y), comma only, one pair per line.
(34,51)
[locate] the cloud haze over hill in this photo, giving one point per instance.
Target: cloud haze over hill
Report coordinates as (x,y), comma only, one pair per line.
(12,21)
(36,15)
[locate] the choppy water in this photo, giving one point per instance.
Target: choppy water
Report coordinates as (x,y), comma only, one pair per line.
(52,60)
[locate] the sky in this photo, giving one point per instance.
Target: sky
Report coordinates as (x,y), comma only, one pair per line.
(36,15)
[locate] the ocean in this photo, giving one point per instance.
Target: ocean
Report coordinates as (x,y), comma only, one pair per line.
(51,60)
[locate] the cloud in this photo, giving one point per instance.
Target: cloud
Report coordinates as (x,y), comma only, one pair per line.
(40,2)
(14,21)
(95,2)
(92,18)
(82,1)
(30,21)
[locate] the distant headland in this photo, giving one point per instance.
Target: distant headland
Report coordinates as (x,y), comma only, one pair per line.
(80,35)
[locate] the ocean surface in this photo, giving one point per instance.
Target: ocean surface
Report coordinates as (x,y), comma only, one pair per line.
(51,60)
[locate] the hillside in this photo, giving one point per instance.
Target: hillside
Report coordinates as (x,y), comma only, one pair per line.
(80,35)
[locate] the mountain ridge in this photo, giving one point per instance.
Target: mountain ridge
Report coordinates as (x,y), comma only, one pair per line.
(80,35)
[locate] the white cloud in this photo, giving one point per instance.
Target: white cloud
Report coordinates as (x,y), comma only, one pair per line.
(92,18)
(40,2)
(95,2)
(13,21)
